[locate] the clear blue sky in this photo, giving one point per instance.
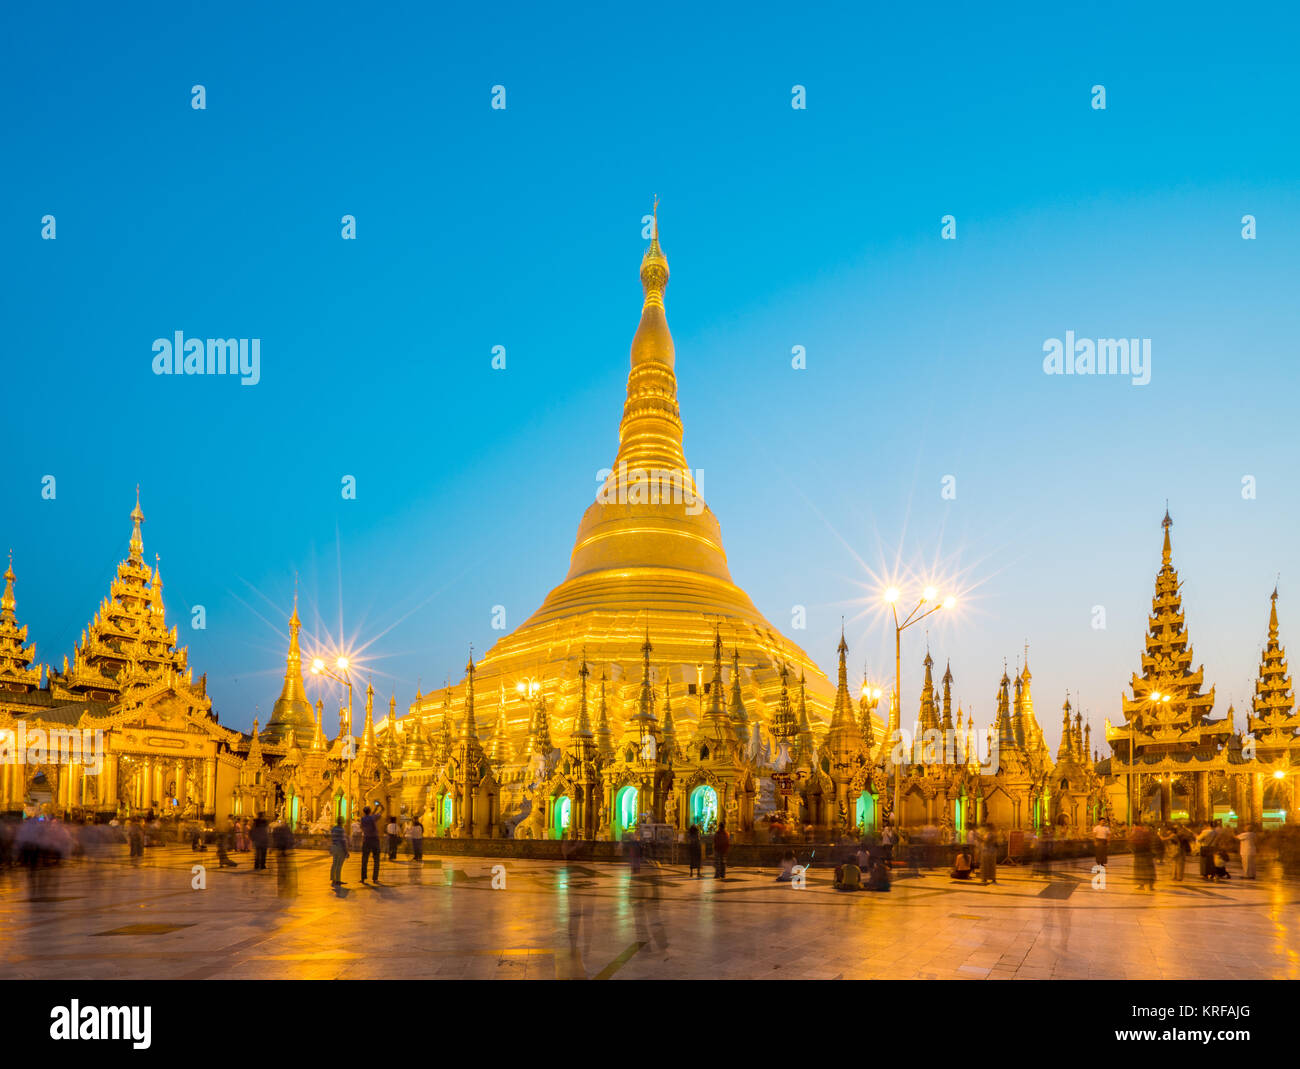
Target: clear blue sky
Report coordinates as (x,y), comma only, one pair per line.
(521,228)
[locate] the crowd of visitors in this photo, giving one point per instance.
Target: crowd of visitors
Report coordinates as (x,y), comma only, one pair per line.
(41,843)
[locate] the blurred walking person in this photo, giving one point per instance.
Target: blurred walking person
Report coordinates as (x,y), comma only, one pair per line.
(370,843)
(1247,844)
(338,853)
(988,855)
(394,837)
(695,851)
(260,836)
(721,844)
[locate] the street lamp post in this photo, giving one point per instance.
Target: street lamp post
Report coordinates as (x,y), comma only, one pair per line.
(319,668)
(929,595)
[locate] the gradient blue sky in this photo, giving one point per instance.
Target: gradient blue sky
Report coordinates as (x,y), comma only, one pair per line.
(522,228)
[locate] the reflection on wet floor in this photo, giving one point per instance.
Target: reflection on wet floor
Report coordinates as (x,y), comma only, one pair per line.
(176,914)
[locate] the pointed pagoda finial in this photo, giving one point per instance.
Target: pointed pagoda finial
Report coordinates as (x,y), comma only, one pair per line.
(654,268)
(137,540)
(8,606)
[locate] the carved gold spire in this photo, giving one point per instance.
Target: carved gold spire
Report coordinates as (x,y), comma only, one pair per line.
(669,727)
(604,731)
(499,750)
(318,735)
(946,723)
(292,710)
(737,712)
(136,555)
(582,723)
(716,727)
(469,730)
(368,732)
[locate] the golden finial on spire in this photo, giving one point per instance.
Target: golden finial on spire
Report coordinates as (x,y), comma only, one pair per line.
(7,602)
(654,280)
(137,540)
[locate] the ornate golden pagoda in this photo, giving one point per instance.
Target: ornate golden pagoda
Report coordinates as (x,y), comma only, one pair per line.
(17,672)
(648,554)
(1168,712)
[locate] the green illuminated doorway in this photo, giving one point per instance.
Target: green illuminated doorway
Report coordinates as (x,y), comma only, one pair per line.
(625,809)
(704,807)
(563,809)
(865,811)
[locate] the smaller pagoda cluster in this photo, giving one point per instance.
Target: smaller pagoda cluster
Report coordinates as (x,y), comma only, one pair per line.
(665,761)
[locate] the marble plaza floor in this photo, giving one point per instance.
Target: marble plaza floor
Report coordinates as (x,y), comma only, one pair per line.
(110,919)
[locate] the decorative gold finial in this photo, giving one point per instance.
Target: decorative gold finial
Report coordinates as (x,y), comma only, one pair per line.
(137,540)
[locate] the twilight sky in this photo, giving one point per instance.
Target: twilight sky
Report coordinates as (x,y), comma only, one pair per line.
(816,227)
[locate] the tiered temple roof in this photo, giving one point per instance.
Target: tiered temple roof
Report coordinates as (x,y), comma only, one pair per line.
(128,642)
(1168,712)
(1272,719)
(17,672)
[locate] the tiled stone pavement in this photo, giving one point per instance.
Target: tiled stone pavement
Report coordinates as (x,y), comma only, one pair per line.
(108,919)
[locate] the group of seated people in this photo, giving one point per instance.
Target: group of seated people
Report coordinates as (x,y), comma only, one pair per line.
(863,872)
(866,872)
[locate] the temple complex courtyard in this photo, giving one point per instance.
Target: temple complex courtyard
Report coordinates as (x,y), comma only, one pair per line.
(107,919)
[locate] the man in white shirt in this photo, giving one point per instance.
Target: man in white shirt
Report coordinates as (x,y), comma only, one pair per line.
(1101,840)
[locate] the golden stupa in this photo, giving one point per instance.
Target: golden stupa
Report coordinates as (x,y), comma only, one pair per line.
(648,558)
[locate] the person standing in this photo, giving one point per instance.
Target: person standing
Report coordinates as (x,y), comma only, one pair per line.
(1180,848)
(1144,861)
(887,840)
(261,840)
(135,838)
(1205,850)
(695,851)
(1101,841)
(394,837)
(1224,841)
(1247,844)
(369,843)
(989,855)
(416,833)
(721,844)
(223,846)
(338,853)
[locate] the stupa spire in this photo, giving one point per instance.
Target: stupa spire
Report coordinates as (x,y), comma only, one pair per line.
(368,730)
(582,724)
(668,728)
(136,555)
(469,729)
(737,712)
(604,733)
(947,697)
(292,709)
